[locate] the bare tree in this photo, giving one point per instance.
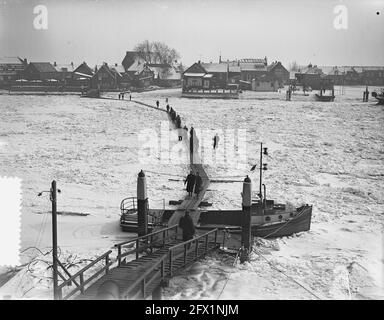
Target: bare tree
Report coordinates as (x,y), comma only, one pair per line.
(293,66)
(157,52)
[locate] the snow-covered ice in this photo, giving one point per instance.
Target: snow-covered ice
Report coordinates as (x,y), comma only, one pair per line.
(326,154)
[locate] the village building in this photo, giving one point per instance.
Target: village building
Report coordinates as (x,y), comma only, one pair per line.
(41,71)
(266,83)
(279,72)
(106,77)
(312,77)
(241,72)
(252,69)
(11,68)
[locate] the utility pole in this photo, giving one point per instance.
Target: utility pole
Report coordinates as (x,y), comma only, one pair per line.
(53,196)
(261,172)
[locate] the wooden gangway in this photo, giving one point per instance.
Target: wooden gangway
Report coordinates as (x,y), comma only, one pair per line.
(142,265)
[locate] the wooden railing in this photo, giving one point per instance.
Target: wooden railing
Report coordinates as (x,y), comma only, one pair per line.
(158,270)
(145,242)
(80,274)
(187,246)
(144,282)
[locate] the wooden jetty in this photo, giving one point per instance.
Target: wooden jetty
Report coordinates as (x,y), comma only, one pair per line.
(142,266)
(145,263)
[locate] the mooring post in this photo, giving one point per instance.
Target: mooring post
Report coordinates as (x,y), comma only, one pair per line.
(54,239)
(246,236)
(142,205)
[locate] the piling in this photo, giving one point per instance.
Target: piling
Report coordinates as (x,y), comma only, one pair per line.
(142,205)
(246,235)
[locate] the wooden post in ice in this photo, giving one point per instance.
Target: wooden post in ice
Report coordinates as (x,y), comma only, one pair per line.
(54,239)
(246,235)
(365,94)
(142,205)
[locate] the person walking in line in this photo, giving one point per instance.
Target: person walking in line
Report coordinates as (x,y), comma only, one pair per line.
(198,184)
(167,107)
(166,100)
(191,141)
(215,141)
(130,97)
(119,95)
(188,227)
(190,181)
(178,122)
(157,104)
(122,96)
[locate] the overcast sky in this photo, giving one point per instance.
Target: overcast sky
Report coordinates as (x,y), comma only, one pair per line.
(97,31)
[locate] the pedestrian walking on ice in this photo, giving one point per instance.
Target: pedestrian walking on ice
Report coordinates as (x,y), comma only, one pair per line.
(190,181)
(215,141)
(157,104)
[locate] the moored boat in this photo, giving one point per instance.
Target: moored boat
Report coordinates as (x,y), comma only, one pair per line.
(379,96)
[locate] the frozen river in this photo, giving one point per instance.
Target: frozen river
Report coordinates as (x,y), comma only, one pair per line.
(326,154)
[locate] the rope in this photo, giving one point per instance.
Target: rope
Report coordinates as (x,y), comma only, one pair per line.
(288,276)
(226,281)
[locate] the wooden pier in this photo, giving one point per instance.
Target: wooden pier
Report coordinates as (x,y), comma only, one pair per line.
(142,265)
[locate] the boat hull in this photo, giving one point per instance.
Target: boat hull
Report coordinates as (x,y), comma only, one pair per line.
(324,98)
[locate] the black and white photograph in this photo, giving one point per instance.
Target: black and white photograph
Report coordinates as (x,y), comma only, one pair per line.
(208,151)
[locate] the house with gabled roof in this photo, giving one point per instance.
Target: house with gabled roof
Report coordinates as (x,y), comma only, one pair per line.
(41,71)
(11,68)
(106,77)
(279,72)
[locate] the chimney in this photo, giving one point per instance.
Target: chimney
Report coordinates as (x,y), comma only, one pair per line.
(199,62)
(72,64)
(115,64)
(54,64)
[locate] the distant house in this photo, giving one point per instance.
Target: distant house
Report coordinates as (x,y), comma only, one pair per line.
(278,71)
(165,75)
(373,76)
(41,71)
(313,77)
(266,83)
(82,71)
(65,71)
(11,68)
(253,68)
(210,75)
(106,78)
(336,75)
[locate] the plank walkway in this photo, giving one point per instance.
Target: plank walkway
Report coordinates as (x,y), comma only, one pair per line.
(127,273)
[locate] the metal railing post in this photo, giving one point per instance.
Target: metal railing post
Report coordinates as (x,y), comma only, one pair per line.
(170,263)
(206,242)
